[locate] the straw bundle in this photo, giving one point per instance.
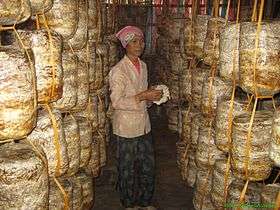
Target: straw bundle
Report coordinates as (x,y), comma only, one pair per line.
(213,90)
(229,52)
(253,158)
(266,81)
(222,121)
(18,107)
(23,175)
(211,43)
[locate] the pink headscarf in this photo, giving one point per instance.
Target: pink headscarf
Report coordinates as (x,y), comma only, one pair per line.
(126,34)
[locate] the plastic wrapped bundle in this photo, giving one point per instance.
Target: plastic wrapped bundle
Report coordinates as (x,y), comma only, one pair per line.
(18,107)
(256,161)
(201,199)
(49,137)
(211,43)
(269,194)
(188,166)
(186,85)
(85,139)
(176,62)
(200,31)
(181,148)
(174,89)
(82,86)
(14,11)
(206,151)
(187,37)
(221,180)
(110,19)
(198,77)
(63,18)
(40,6)
(91,112)
(173,26)
(100,136)
(113,53)
(87,190)
(94,164)
(96,67)
(222,121)
(172,113)
(56,199)
(191,169)
(252,194)
(274,150)
(77,192)
(107,130)
(229,52)
(103,49)
(95,20)
(197,121)
(267,72)
(23,175)
(72,137)
(214,89)
(101,109)
(48,62)
(186,125)
(69,92)
(79,40)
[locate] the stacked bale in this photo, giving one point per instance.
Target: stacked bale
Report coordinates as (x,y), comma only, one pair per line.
(252,161)
(266,71)
(18,94)
(57,20)
(172,60)
(51,65)
(24,176)
(47,49)
(238,133)
(211,44)
(14,12)
(275,144)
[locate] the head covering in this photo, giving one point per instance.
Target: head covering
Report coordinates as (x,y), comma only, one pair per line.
(126,34)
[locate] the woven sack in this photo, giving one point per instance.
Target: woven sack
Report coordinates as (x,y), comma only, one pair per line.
(18,106)
(40,6)
(70,74)
(48,136)
(72,138)
(274,149)
(222,121)
(266,81)
(79,40)
(229,52)
(47,52)
(14,11)
(63,18)
(211,43)
(23,175)
(258,161)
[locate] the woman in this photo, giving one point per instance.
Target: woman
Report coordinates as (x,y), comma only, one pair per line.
(131,123)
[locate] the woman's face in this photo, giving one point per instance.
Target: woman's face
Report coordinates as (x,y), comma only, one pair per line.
(135,47)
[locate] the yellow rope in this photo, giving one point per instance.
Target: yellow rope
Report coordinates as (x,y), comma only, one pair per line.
(64,194)
(56,140)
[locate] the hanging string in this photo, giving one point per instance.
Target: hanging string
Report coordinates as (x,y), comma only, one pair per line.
(254,15)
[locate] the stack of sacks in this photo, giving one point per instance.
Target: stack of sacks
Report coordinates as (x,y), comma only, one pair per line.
(49,78)
(223,109)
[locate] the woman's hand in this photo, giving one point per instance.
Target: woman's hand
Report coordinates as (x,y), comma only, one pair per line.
(149,95)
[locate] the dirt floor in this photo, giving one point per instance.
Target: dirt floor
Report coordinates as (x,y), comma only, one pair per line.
(170,194)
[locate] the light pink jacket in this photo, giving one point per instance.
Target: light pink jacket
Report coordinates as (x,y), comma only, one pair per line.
(130,119)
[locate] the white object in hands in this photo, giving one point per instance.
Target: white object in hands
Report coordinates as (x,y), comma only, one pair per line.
(165,96)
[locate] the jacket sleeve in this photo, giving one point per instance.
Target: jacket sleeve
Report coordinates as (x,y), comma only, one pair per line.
(119,101)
